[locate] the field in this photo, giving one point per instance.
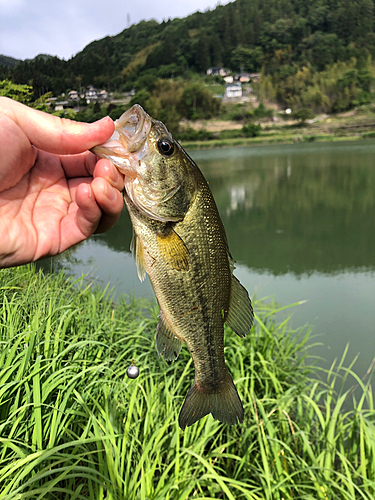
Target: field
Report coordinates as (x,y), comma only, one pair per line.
(73,426)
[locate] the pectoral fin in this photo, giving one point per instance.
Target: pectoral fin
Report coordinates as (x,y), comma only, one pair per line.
(166,341)
(173,249)
(240,315)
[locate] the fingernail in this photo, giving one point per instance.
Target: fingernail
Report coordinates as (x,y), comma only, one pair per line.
(114,174)
(103,120)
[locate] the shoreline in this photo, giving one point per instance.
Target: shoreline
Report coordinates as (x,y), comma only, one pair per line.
(356,125)
(265,141)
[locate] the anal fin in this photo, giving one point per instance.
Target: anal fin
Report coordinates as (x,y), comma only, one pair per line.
(166,341)
(173,249)
(240,315)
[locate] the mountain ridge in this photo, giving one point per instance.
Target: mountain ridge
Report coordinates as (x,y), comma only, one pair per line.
(278,36)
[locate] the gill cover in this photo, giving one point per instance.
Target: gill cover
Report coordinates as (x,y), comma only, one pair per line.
(156,170)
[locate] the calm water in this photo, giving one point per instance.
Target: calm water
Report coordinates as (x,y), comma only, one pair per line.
(300,221)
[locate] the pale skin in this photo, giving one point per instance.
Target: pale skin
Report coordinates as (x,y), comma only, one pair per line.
(54,193)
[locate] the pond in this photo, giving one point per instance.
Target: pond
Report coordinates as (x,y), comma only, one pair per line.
(300,221)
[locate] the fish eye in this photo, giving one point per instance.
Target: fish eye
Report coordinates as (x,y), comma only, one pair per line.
(166,147)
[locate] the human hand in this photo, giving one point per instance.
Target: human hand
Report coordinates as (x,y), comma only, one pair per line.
(54,193)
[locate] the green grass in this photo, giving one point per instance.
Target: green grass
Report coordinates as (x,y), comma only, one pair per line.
(73,426)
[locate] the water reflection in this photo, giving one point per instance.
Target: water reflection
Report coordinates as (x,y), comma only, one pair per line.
(300,221)
(298,209)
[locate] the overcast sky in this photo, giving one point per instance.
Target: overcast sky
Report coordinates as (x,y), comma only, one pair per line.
(65,27)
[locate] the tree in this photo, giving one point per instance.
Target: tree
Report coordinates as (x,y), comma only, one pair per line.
(20,93)
(365,79)
(215,50)
(322,49)
(198,102)
(246,58)
(202,56)
(141,98)
(42,102)
(303,114)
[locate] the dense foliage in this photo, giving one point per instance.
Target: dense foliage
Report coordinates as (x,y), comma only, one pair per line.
(20,93)
(73,426)
(8,62)
(279,36)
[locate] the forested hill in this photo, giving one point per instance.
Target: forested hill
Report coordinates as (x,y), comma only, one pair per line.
(247,34)
(8,62)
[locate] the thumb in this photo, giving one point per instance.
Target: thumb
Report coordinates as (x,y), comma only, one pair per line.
(53,134)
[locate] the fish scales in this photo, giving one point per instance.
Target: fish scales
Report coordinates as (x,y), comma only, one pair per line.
(182,246)
(192,302)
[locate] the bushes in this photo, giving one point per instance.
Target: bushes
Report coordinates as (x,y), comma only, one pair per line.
(189,134)
(251,130)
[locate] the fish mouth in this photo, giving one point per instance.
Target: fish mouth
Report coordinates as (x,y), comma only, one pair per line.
(129,138)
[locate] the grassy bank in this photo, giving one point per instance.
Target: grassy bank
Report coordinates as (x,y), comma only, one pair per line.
(290,135)
(268,139)
(355,125)
(73,426)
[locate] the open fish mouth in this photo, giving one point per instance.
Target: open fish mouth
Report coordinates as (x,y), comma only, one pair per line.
(129,138)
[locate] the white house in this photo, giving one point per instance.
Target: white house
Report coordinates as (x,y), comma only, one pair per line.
(91,95)
(94,95)
(73,95)
(59,106)
(233,90)
(102,95)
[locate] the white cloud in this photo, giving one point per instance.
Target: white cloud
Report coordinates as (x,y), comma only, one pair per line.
(29,28)
(11,7)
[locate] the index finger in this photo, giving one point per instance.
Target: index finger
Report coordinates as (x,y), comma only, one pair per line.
(79,165)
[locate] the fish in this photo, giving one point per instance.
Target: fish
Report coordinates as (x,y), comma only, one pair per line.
(180,242)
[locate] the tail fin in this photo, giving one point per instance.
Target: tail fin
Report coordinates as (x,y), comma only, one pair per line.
(224,404)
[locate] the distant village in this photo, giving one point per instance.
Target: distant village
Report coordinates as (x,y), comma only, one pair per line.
(234,89)
(74,98)
(233,84)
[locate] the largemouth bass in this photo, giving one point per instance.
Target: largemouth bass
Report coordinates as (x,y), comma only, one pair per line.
(180,243)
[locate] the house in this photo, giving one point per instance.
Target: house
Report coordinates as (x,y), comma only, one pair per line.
(233,89)
(73,95)
(94,95)
(91,95)
(102,95)
(217,71)
(247,77)
(242,77)
(59,106)
(255,77)
(51,101)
